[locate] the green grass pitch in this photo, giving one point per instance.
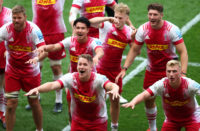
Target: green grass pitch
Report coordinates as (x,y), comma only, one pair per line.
(178,12)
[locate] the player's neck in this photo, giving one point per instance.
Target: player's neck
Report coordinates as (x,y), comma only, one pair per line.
(84,40)
(86,78)
(176,84)
(159,25)
(21,28)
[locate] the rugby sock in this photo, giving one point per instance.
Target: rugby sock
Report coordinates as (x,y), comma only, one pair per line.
(38,130)
(58,92)
(151,116)
(114,125)
(2,102)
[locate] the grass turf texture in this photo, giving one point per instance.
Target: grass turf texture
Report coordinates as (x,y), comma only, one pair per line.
(178,12)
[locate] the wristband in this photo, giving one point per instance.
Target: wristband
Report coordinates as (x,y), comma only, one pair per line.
(125,68)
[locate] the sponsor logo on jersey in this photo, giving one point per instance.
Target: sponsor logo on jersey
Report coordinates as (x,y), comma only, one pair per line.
(147,37)
(96,9)
(46,2)
(116,43)
(73,49)
(19,48)
(74,58)
(176,103)
(85,99)
(11,39)
(114,33)
(157,47)
(167,95)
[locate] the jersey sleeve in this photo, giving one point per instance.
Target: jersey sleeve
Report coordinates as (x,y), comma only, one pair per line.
(77,3)
(193,87)
(157,88)
(37,38)
(110,2)
(3,33)
(104,30)
(175,34)
(139,37)
(103,80)
(9,15)
(130,31)
(96,44)
(66,42)
(66,80)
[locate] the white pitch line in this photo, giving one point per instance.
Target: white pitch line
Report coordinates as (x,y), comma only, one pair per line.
(194,64)
(137,70)
(189,25)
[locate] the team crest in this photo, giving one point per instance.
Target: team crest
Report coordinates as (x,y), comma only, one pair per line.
(114,33)
(11,39)
(147,37)
(73,49)
(167,95)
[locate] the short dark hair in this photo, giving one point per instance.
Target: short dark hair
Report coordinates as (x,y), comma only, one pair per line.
(155,6)
(87,57)
(82,20)
(18,9)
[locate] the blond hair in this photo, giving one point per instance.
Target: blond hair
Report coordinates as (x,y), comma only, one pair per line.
(172,63)
(18,9)
(122,8)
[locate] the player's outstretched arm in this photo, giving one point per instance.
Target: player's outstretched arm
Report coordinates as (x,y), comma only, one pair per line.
(49,86)
(136,100)
(113,89)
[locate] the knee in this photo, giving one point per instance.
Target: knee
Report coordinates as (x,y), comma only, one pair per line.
(57,69)
(114,103)
(11,104)
(150,103)
(34,102)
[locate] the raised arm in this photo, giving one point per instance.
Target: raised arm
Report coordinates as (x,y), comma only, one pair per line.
(97,21)
(73,15)
(136,100)
(181,49)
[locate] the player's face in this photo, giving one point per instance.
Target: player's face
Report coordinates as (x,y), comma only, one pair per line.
(84,68)
(122,18)
(155,18)
(19,21)
(81,31)
(173,74)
